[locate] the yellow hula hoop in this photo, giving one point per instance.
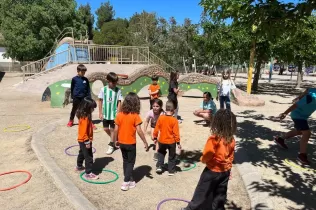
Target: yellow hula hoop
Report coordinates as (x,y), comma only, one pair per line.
(22,128)
(100,129)
(290,163)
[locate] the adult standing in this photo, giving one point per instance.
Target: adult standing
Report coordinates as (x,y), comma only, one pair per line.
(173,92)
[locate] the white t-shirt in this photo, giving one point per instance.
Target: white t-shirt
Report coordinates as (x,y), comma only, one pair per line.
(225,86)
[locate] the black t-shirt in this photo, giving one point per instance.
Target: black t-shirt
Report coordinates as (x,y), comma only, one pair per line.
(172,95)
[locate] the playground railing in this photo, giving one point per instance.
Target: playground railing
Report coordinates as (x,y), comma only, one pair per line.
(154,59)
(113,54)
(54,61)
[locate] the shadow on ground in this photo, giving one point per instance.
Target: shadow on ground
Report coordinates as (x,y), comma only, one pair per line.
(142,171)
(1,75)
(251,135)
(100,163)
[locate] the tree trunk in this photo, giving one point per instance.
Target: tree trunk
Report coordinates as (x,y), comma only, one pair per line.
(257,75)
(236,72)
(299,75)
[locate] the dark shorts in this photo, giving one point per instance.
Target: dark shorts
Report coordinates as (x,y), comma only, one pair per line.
(300,124)
(108,123)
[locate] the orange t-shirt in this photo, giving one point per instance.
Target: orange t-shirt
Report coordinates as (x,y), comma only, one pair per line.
(127,127)
(218,156)
(168,127)
(154,88)
(85,131)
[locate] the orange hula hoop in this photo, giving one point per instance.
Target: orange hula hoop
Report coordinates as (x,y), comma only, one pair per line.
(15,186)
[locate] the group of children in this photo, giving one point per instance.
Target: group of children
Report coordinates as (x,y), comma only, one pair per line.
(121,121)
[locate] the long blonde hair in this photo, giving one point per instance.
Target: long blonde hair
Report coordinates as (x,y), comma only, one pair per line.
(224,125)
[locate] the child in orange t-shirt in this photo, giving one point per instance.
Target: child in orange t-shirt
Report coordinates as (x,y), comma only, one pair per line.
(218,155)
(154,90)
(127,122)
(168,128)
(85,137)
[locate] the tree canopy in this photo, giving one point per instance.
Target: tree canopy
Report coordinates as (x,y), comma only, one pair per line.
(105,13)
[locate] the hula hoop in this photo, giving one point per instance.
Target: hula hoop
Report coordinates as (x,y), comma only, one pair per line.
(170,199)
(7,129)
(189,168)
(123,76)
(107,182)
(67,153)
(15,186)
(290,163)
(100,129)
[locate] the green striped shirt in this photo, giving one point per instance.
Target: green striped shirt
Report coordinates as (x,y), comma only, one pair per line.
(110,97)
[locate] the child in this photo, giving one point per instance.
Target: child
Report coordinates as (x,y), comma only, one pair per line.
(127,123)
(80,89)
(301,110)
(168,128)
(153,90)
(152,117)
(218,156)
(173,91)
(224,88)
(207,108)
(110,98)
(85,137)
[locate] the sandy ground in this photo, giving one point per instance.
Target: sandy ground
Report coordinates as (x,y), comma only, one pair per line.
(40,192)
(151,188)
(290,188)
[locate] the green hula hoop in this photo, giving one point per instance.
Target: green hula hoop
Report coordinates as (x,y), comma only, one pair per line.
(189,168)
(107,182)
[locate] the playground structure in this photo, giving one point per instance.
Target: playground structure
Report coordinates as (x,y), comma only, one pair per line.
(52,75)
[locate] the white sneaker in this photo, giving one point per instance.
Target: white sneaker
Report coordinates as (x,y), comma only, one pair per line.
(110,150)
(125,186)
(132,184)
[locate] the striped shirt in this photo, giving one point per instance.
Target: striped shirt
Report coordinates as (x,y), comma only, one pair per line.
(110,98)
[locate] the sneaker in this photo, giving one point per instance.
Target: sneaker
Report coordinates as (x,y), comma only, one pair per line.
(280,141)
(159,170)
(91,176)
(155,157)
(132,184)
(303,159)
(171,174)
(110,150)
(79,168)
(125,186)
(70,123)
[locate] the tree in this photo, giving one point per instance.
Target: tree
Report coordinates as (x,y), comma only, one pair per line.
(105,14)
(114,32)
(265,20)
(299,47)
(86,18)
(30,27)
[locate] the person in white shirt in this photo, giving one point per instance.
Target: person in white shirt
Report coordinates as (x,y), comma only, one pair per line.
(207,108)
(224,88)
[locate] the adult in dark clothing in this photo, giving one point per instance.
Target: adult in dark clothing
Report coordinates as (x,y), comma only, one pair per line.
(80,89)
(173,91)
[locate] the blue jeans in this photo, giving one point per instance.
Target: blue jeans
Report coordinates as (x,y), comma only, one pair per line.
(226,100)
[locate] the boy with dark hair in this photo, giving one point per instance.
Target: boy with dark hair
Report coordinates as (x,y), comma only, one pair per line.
(168,129)
(301,110)
(153,90)
(110,98)
(80,89)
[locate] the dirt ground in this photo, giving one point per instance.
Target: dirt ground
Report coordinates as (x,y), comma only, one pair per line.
(289,187)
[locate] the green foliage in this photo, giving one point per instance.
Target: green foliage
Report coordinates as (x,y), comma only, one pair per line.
(114,32)
(30,27)
(86,18)
(105,14)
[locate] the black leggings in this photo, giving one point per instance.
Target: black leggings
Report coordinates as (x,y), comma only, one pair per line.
(211,191)
(75,105)
(129,158)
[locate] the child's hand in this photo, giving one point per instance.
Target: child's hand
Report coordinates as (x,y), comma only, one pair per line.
(216,98)
(88,146)
(101,116)
(146,146)
(116,144)
(179,146)
(282,116)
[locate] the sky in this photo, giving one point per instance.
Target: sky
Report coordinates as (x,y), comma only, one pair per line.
(180,9)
